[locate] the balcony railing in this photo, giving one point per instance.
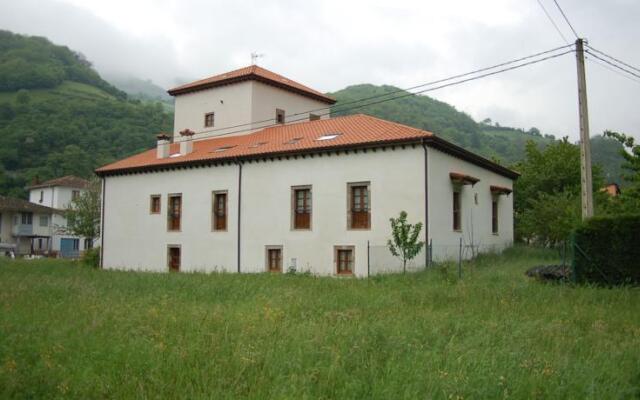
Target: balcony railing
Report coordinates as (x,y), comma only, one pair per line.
(22,230)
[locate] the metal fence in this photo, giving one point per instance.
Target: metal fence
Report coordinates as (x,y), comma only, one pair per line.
(381,261)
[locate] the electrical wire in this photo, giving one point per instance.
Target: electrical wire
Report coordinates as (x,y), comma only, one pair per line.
(613,64)
(605,66)
(341,107)
(552,22)
(532,62)
(566,19)
(613,58)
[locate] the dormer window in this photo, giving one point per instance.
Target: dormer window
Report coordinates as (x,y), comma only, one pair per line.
(208,120)
(279,116)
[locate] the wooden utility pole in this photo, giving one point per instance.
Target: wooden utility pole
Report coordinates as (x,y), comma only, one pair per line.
(585,144)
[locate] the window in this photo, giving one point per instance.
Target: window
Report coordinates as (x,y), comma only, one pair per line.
(75,194)
(219,211)
(274,258)
(344,260)
(76,244)
(154,206)
(302,207)
(359,208)
(40,244)
(208,120)
(456,211)
(88,244)
(279,116)
(329,136)
(173,258)
(494,216)
(26,218)
(41,196)
(174,212)
(44,221)
(314,117)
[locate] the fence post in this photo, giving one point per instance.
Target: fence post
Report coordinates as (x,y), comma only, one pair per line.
(460,260)
(368,262)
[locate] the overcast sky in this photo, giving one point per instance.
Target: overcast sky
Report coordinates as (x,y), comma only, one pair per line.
(332,44)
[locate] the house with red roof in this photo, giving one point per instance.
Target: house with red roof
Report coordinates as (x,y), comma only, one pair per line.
(258,177)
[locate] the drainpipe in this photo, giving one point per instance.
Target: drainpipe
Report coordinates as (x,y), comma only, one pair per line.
(104,185)
(239,206)
(426,203)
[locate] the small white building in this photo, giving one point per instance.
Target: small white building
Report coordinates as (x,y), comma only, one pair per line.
(257,178)
(24,226)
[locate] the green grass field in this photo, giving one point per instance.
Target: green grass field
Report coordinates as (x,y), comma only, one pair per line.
(69,331)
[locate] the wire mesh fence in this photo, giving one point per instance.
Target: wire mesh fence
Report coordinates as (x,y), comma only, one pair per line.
(381,261)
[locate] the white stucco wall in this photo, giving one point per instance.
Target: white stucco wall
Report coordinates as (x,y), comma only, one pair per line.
(266,99)
(475,218)
(6,222)
(47,196)
(231,104)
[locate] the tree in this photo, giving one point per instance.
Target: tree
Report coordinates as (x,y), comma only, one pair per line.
(405,244)
(629,200)
(83,214)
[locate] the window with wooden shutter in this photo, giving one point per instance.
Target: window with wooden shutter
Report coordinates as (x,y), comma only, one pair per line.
(174,212)
(173,258)
(344,260)
(359,206)
(302,208)
(209,119)
(274,259)
(456,211)
(154,206)
(494,216)
(220,211)
(279,116)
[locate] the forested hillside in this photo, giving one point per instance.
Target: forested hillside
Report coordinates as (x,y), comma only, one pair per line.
(503,144)
(58,116)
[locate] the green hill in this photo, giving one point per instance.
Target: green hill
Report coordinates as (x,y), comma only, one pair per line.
(143,90)
(58,116)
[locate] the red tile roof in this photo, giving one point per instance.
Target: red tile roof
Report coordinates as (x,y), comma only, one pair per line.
(19,205)
(66,181)
(354,131)
(256,73)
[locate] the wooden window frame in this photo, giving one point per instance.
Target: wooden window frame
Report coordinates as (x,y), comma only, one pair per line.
(350,211)
(151,204)
(495,218)
(456,213)
(214,214)
(169,248)
(26,218)
(206,119)
(280,113)
(267,258)
(169,209)
(294,207)
(336,259)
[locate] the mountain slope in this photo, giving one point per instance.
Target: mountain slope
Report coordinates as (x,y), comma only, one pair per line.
(58,116)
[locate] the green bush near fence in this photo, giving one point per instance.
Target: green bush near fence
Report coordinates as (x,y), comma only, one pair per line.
(607,250)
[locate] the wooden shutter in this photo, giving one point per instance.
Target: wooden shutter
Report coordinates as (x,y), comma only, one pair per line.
(494,216)
(302,210)
(345,261)
(175,212)
(220,212)
(456,211)
(174,259)
(360,213)
(274,261)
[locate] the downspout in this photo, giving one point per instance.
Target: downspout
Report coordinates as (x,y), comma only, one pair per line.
(239,207)
(103,205)
(426,204)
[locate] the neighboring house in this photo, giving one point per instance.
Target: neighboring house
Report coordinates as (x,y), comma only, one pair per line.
(58,194)
(25,227)
(612,189)
(311,194)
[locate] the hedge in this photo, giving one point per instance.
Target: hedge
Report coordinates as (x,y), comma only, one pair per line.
(608,250)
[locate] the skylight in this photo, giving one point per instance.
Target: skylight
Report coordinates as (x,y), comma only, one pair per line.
(223,148)
(293,141)
(258,144)
(174,155)
(329,136)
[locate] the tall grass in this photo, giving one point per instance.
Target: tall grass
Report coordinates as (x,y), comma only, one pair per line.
(70,331)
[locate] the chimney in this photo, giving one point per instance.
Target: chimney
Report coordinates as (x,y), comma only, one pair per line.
(163,145)
(186,144)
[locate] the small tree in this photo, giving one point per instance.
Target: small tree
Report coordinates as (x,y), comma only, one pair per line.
(83,214)
(404,243)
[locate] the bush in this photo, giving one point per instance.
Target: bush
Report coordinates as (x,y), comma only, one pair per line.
(611,252)
(91,257)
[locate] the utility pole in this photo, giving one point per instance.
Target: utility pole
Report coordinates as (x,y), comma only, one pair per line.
(585,144)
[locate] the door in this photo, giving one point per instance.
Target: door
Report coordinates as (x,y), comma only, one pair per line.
(174,259)
(69,248)
(274,260)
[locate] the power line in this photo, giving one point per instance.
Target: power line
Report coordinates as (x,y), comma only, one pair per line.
(613,58)
(605,66)
(341,107)
(415,93)
(566,19)
(552,22)
(613,64)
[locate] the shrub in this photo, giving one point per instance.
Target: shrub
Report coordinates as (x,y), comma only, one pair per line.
(611,252)
(91,257)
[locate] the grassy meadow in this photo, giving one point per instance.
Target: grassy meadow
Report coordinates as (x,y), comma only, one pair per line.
(67,331)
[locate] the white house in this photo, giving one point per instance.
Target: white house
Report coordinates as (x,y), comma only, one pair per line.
(57,194)
(24,226)
(245,185)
